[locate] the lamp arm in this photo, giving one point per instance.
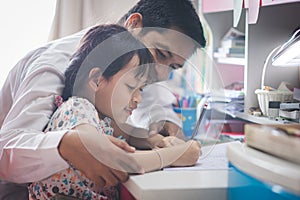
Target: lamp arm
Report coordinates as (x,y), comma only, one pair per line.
(265,66)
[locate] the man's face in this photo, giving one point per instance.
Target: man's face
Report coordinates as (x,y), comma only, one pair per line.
(169,48)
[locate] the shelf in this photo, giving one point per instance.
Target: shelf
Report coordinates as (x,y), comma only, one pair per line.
(219,107)
(216,5)
(233,61)
(257,120)
(210,6)
(272,2)
(274,26)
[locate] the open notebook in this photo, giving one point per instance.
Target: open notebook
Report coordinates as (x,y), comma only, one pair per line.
(213,158)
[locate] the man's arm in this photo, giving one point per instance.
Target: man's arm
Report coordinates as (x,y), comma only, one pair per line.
(98,156)
(155,115)
(27,153)
(26,104)
(155,107)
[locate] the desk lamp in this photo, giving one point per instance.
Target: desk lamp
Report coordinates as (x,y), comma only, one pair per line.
(289,53)
(286,55)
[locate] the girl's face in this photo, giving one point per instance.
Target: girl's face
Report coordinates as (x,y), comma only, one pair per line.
(120,95)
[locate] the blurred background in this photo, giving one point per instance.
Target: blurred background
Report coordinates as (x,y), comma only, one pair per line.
(33,22)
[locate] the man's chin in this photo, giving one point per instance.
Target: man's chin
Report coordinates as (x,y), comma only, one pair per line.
(122,118)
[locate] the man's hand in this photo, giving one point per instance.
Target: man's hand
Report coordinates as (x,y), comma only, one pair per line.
(103,162)
(121,144)
(166,128)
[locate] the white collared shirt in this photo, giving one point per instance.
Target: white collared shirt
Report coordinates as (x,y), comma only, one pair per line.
(26,104)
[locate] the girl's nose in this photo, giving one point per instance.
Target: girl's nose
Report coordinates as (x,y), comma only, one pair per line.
(136,96)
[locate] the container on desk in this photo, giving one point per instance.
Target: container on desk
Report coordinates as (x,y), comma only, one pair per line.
(188,117)
(257,175)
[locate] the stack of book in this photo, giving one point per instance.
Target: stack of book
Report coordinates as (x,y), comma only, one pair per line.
(232,45)
(231,48)
(235,101)
(268,162)
(282,141)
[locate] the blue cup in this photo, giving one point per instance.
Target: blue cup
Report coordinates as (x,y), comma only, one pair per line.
(188,118)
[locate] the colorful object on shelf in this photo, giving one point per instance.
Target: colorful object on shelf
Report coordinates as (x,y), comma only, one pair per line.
(186,108)
(188,118)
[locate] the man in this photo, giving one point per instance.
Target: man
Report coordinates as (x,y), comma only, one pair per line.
(170,49)
(27,100)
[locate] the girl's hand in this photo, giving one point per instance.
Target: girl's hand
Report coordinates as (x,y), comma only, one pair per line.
(190,155)
(169,141)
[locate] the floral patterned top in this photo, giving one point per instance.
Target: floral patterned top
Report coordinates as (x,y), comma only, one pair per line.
(71,182)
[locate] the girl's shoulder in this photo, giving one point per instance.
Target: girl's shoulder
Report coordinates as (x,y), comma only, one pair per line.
(78,103)
(72,112)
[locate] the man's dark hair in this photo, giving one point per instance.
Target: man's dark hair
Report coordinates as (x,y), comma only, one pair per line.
(110,48)
(170,14)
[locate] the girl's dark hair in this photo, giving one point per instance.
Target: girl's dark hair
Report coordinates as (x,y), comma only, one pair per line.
(110,48)
(179,14)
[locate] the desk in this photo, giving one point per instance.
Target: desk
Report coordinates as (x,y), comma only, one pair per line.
(208,179)
(204,184)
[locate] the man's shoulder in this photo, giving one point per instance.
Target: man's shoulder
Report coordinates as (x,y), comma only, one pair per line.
(55,54)
(67,43)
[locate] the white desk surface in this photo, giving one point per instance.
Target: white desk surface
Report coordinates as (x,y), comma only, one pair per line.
(203,184)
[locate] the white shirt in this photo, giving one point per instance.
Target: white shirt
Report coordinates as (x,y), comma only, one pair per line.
(26,104)
(156,106)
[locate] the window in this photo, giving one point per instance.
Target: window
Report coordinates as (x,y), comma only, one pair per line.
(24,26)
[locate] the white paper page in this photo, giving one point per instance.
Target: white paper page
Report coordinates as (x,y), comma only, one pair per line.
(213,158)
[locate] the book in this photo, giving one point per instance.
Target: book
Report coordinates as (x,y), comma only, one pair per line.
(233,38)
(279,140)
(233,33)
(213,158)
(231,50)
(228,55)
(233,43)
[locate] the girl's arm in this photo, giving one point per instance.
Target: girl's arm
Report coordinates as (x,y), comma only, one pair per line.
(185,154)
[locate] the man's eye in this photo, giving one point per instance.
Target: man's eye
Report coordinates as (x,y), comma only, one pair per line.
(160,54)
(172,66)
(175,66)
(142,87)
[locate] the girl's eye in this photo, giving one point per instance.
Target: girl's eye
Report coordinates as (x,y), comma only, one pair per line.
(130,87)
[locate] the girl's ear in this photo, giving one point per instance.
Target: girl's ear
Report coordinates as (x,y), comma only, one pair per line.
(95,78)
(135,20)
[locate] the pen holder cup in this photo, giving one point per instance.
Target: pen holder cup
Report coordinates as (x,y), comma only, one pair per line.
(188,118)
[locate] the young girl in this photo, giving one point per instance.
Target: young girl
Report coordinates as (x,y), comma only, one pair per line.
(103,82)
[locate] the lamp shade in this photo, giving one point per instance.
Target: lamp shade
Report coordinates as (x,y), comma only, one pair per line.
(289,53)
